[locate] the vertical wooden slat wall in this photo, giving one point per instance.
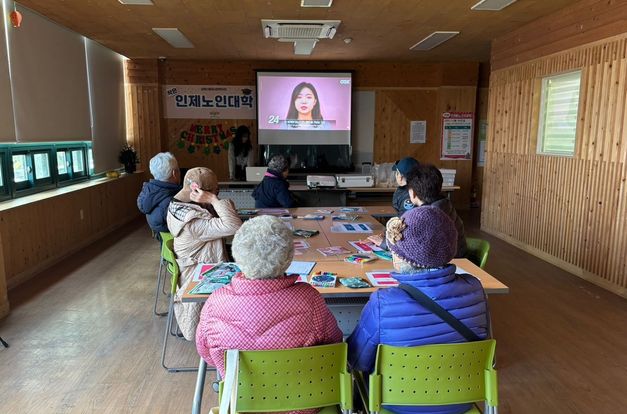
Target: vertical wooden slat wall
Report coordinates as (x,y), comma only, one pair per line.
(143,113)
(571,211)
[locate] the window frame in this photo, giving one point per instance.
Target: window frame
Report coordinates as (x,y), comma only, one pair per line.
(5,185)
(542,115)
(10,189)
(71,176)
(32,184)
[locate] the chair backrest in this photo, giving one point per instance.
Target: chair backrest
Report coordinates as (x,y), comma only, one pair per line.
(165,236)
(477,251)
(293,379)
(168,255)
(434,375)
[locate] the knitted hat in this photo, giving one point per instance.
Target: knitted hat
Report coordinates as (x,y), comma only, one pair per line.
(202,177)
(263,247)
(405,165)
(423,237)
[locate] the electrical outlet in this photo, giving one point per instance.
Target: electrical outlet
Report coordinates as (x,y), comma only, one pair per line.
(82,214)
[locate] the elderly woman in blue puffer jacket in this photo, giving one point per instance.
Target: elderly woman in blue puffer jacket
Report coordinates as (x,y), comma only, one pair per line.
(423,242)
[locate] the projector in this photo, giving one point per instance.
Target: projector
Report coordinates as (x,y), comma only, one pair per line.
(354,180)
(320,181)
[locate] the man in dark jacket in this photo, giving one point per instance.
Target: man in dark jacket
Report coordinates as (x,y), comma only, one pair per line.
(273,191)
(155,196)
(425,188)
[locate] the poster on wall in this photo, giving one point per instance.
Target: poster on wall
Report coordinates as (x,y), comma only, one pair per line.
(209,102)
(457,136)
(483,128)
(418,132)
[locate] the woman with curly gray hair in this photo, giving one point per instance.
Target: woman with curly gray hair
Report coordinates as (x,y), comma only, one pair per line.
(273,191)
(263,308)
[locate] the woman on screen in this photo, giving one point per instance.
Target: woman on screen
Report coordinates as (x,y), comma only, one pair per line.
(304,104)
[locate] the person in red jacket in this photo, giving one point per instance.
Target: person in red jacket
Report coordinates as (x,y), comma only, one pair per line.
(263,308)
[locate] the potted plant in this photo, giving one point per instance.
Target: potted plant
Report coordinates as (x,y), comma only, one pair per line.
(128,157)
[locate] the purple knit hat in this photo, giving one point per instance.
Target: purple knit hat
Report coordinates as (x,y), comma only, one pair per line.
(423,237)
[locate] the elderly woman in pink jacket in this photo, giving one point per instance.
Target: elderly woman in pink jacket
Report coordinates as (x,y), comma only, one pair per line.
(263,308)
(199,222)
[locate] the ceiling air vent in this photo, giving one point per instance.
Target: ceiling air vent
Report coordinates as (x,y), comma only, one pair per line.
(303,33)
(492,5)
(300,29)
(433,40)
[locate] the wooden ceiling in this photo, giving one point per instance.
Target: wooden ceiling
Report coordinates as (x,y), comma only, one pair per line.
(381,30)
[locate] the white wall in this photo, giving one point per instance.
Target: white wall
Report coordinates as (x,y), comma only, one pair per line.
(363,127)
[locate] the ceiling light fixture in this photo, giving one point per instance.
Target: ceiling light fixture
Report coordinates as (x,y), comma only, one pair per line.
(137,2)
(433,40)
(492,5)
(316,3)
(174,37)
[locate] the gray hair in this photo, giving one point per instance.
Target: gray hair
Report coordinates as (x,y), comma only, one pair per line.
(162,165)
(278,163)
(263,248)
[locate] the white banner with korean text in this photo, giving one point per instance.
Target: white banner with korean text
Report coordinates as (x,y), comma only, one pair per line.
(209,102)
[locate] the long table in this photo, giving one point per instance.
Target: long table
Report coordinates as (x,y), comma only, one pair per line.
(345,303)
(336,264)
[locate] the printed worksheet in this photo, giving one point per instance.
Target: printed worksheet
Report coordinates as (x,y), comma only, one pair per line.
(351,228)
(365,246)
(382,278)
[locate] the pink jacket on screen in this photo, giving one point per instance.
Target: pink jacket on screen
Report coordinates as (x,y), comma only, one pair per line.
(263,314)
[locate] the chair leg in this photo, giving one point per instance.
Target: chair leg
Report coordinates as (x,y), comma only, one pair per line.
(166,334)
(200,386)
(3,342)
(159,277)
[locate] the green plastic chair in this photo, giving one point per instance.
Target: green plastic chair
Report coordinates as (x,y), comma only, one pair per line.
(433,375)
(165,236)
(172,268)
(477,251)
(293,379)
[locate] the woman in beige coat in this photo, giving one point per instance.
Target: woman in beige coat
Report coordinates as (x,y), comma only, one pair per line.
(199,222)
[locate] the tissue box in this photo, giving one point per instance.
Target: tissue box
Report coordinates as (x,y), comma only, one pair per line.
(448,177)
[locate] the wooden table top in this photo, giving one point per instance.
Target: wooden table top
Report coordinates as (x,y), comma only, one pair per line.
(336,264)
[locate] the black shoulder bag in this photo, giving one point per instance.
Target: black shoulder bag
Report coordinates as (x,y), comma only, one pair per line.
(436,309)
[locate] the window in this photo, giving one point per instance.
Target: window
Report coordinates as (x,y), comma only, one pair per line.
(90,160)
(42,165)
(32,168)
(558,114)
(78,164)
(62,163)
(71,162)
(29,168)
(21,168)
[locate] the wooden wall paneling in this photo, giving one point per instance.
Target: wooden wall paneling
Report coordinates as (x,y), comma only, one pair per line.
(482,115)
(571,211)
(218,163)
(394,111)
(106,206)
(366,74)
(4,299)
(408,91)
(581,23)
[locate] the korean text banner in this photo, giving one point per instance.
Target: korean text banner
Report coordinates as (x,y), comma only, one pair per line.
(209,102)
